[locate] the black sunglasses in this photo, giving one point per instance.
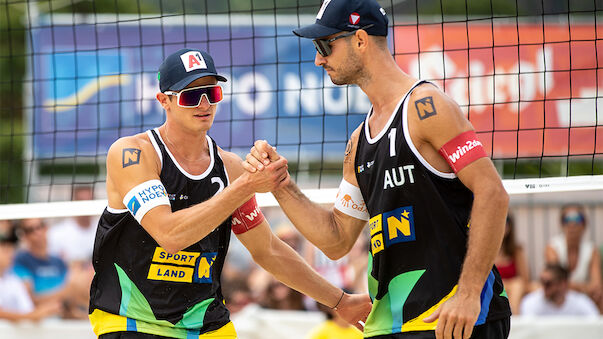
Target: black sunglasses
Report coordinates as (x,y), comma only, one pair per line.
(323,46)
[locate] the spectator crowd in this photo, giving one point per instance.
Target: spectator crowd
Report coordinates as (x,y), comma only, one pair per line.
(45,271)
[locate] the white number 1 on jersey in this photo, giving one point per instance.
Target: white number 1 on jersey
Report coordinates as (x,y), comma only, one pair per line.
(392,142)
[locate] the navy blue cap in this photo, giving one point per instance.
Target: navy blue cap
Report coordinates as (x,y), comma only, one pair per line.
(346,15)
(184,66)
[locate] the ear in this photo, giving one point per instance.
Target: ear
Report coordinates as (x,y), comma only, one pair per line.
(362,40)
(163,100)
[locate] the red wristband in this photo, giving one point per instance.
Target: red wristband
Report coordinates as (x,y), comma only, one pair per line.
(247,217)
(462,150)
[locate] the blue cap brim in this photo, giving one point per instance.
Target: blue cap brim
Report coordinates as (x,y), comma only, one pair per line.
(315,31)
(186,81)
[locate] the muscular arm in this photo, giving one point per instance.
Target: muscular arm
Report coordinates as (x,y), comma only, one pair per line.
(430,132)
(435,119)
(332,231)
(132,161)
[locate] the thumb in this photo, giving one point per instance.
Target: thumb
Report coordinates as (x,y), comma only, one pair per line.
(272,154)
(433,317)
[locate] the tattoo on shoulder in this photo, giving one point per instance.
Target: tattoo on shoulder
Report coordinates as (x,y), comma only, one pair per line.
(425,108)
(348,151)
(130,156)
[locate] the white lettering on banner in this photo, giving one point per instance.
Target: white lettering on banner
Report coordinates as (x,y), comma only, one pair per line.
(145,92)
(254,93)
(581,112)
(293,92)
(507,85)
(337,99)
(460,151)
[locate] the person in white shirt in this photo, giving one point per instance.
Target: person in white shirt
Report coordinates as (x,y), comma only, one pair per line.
(73,239)
(556,298)
(15,302)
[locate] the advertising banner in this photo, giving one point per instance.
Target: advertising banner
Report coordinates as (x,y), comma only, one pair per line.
(529,90)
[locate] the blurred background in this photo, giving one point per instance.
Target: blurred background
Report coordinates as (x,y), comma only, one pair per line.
(77,75)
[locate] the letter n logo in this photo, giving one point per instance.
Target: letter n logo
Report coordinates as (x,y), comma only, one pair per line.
(399,225)
(130,156)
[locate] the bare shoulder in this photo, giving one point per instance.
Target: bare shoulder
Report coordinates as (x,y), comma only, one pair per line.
(428,101)
(434,117)
(130,149)
(133,154)
(232,162)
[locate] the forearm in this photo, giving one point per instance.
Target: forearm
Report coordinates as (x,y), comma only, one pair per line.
(12,316)
(288,267)
(181,229)
(316,223)
(485,237)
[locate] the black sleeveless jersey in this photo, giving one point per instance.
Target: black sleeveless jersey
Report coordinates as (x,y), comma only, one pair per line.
(419,219)
(139,286)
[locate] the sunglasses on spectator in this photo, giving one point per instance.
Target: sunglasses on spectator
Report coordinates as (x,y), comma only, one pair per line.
(29,230)
(191,97)
(323,46)
(573,218)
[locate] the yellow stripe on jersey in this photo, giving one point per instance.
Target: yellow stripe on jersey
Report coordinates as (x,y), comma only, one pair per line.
(104,322)
(417,323)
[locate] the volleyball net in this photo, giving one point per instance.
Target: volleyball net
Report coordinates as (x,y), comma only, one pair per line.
(78,75)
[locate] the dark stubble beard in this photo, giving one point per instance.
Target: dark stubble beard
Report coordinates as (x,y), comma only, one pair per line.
(351,72)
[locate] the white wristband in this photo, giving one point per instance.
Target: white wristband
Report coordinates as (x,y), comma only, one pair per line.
(144,197)
(349,201)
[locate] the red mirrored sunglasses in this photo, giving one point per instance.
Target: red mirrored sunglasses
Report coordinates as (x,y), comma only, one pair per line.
(191,97)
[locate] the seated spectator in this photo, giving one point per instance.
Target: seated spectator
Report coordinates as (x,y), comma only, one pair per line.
(555,297)
(573,250)
(73,238)
(512,265)
(45,275)
(15,302)
(334,327)
(237,295)
(279,296)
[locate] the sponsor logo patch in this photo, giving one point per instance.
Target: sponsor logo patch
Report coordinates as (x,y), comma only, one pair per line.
(392,227)
(193,60)
(186,267)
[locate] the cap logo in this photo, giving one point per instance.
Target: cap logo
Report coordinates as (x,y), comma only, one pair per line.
(382,10)
(193,60)
(322,9)
(354,18)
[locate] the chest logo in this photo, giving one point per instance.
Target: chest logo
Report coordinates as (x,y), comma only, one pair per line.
(187,267)
(392,227)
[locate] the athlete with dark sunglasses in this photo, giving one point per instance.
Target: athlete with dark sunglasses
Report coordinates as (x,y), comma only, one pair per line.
(417,174)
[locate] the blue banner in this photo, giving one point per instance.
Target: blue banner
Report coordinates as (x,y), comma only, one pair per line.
(94,83)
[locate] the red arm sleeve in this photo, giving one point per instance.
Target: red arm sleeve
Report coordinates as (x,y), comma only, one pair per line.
(247,217)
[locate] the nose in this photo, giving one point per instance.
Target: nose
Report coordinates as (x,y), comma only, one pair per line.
(319,60)
(204,104)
